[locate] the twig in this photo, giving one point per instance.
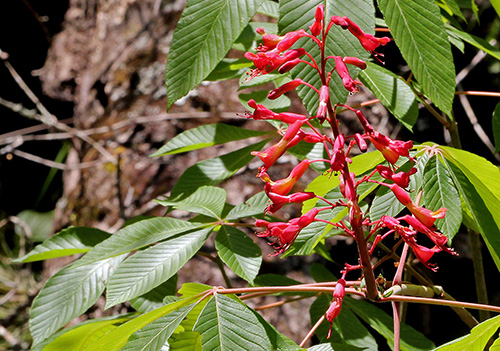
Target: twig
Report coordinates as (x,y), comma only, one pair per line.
(52,164)
(440,302)
(282,302)
(311,332)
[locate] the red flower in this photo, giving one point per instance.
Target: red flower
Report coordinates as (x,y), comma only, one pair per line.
(286,233)
(319,16)
(343,72)
(280,200)
(285,88)
(390,149)
(266,62)
(339,158)
(368,41)
(324,97)
(336,305)
(262,113)
(269,40)
(283,186)
(401,178)
(439,239)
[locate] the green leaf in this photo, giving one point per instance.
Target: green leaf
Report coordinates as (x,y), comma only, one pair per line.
(39,223)
(207,200)
(478,216)
(419,33)
(204,34)
(476,340)
(252,207)
(149,268)
(213,171)
(311,151)
(452,8)
(68,242)
(154,335)
(239,252)
(68,294)
(230,68)
(153,299)
(334,347)
(118,337)
(299,14)
(479,43)
(227,324)
(495,120)
(269,8)
(205,136)
(392,92)
(439,191)
(78,338)
(411,340)
(385,204)
(185,341)
(136,236)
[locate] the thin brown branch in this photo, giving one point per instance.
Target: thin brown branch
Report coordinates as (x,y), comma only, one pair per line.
(440,302)
(282,302)
(52,164)
(311,332)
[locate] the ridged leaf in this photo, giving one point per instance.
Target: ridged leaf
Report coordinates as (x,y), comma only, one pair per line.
(392,92)
(205,136)
(68,294)
(136,236)
(118,337)
(479,43)
(149,268)
(213,171)
(299,14)
(78,337)
(439,191)
(154,335)
(252,207)
(153,299)
(419,33)
(239,252)
(185,341)
(68,242)
(204,34)
(477,339)
(269,8)
(227,324)
(477,181)
(206,200)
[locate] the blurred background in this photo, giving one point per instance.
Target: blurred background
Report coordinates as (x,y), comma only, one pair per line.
(82,105)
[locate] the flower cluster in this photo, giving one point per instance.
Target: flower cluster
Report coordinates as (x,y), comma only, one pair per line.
(276,53)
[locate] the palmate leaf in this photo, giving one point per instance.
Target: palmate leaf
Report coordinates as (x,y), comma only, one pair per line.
(205,136)
(439,191)
(479,43)
(68,242)
(239,252)
(149,268)
(197,49)
(207,200)
(392,92)
(227,324)
(68,294)
(419,33)
(136,236)
(213,171)
(252,207)
(477,339)
(299,14)
(154,335)
(185,341)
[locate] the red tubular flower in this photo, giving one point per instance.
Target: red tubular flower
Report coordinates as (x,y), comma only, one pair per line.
(324,97)
(390,149)
(361,142)
(339,158)
(343,72)
(285,88)
(439,239)
(425,216)
(348,188)
(319,16)
(289,39)
(336,305)
(286,233)
(287,66)
(283,186)
(269,40)
(355,61)
(266,62)
(270,155)
(368,41)
(423,254)
(280,200)
(401,178)
(262,112)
